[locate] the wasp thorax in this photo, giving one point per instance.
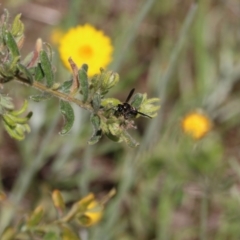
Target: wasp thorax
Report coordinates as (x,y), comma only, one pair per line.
(127,110)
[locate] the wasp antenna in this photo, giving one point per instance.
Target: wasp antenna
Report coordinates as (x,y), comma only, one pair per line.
(143,114)
(130,95)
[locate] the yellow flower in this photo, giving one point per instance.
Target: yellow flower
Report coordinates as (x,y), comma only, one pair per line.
(196,124)
(93,211)
(85,44)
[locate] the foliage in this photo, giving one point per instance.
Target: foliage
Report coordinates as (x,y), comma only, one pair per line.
(37,70)
(85,212)
(174,185)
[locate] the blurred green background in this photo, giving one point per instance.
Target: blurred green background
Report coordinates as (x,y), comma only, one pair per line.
(170,187)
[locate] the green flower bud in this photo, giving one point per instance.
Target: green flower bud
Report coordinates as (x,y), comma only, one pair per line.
(109,79)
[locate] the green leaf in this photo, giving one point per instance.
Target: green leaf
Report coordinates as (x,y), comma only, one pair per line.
(12,66)
(11,44)
(83,79)
(95,138)
(38,72)
(96,102)
(97,132)
(49,51)
(25,72)
(41,97)
(47,68)
(7,74)
(17,26)
(68,114)
(85,67)
(95,120)
(65,87)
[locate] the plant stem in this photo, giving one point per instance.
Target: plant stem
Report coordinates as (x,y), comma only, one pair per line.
(56,93)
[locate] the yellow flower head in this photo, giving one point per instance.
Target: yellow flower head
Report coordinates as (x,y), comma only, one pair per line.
(93,211)
(85,44)
(196,124)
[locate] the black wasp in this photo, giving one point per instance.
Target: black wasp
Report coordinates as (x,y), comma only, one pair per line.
(127,110)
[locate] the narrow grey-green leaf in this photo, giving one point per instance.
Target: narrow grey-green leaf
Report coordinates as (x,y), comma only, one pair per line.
(83,79)
(127,138)
(96,102)
(49,51)
(39,74)
(68,114)
(11,44)
(85,67)
(4,71)
(12,66)
(65,87)
(41,97)
(97,132)
(95,120)
(47,68)
(25,72)
(95,137)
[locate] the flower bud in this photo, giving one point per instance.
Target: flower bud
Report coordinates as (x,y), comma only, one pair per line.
(58,201)
(110,79)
